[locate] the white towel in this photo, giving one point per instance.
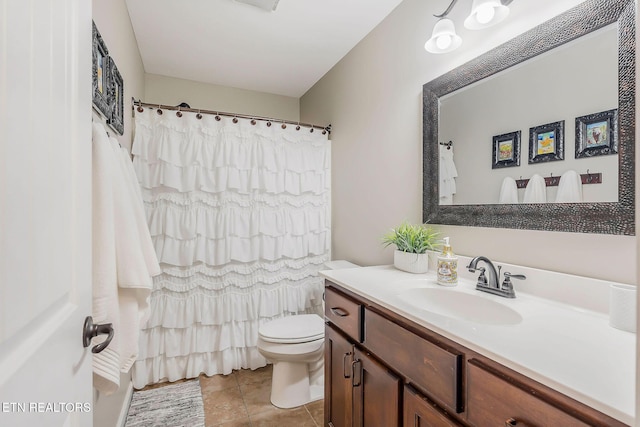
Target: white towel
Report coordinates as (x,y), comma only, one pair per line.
(123,259)
(536,191)
(106,364)
(508,191)
(447,172)
(136,257)
(569,188)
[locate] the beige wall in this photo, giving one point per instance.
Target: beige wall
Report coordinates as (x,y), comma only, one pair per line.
(373,98)
(112,19)
(172,91)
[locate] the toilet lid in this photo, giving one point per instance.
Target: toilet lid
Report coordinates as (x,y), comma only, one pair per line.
(293,329)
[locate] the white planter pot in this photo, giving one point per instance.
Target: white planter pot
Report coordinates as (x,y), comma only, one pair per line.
(409,262)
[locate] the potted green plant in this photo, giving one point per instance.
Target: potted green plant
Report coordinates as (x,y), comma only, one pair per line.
(412,243)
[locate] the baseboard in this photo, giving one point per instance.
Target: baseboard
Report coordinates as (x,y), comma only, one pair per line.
(122,419)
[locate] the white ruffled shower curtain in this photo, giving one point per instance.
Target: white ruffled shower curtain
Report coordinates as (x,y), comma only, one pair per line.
(240,216)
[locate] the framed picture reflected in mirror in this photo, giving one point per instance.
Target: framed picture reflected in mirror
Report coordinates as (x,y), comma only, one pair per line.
(597,134)
(546,142)
(506,150)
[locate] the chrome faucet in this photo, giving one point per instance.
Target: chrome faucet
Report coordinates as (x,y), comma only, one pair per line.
(491,284)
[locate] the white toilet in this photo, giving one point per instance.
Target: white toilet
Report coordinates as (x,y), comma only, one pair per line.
(295,346)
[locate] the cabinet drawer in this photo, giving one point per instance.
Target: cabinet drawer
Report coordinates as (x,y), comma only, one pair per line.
(419,412)
(343,312)
(494,399)
(427,365)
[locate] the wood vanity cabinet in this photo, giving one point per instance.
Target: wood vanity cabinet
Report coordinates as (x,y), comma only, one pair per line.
(384,370)
(359,391)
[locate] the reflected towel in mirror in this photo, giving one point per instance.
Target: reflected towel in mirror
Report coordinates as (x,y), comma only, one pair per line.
(509,191)
(569,188)
(536,191)
(448,173)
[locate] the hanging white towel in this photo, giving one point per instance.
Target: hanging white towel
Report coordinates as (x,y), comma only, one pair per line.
(124,259)
(135,254)
(569,188)
(536,191)
(508,191)
(106,364)
(448,173)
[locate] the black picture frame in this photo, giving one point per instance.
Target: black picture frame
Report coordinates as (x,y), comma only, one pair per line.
(116,99)
(100,74)
(546,142)
(604,142)
(506,150)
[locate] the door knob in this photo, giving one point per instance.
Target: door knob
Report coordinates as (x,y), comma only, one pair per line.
(91,330)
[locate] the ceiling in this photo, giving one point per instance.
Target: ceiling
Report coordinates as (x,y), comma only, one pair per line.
(227,43)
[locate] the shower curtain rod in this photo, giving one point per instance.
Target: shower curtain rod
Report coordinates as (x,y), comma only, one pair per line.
(160,107)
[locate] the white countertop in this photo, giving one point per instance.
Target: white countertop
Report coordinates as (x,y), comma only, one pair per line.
(567,348)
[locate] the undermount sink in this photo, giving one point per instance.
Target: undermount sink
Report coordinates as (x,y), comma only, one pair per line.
(460,305)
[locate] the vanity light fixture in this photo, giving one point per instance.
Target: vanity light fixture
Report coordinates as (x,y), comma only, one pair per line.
(484,14)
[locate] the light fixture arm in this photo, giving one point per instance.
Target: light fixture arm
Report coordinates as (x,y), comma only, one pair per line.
(446,12)
(453,3)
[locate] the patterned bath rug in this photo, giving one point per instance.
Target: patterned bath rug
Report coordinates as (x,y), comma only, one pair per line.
(175,405)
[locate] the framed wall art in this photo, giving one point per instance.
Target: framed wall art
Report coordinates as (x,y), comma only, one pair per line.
(597,134)
(546,142)
(100,74)
(506,150)
(116,99)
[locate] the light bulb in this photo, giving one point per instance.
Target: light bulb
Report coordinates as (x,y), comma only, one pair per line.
(485,13)
(443,41)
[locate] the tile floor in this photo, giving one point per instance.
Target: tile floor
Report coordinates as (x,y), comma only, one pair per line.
(241,399)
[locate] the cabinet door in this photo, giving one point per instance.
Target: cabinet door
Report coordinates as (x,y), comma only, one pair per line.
(338,394)
(376,394)
(419,412)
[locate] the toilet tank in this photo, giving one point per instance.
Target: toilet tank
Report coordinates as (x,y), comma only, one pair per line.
(339,264)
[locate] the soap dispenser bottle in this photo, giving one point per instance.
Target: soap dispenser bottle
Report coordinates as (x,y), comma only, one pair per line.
(447,266)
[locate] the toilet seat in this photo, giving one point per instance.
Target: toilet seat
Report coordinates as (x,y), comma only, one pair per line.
(293,329)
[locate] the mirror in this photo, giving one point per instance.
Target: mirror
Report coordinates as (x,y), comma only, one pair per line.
(573,80)
(612,211)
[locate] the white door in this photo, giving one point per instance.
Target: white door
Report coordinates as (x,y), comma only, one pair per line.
(45,212)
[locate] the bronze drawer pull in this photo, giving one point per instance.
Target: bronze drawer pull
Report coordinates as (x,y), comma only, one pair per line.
(339,311)
(510,422)
(353,373)
(345,370)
